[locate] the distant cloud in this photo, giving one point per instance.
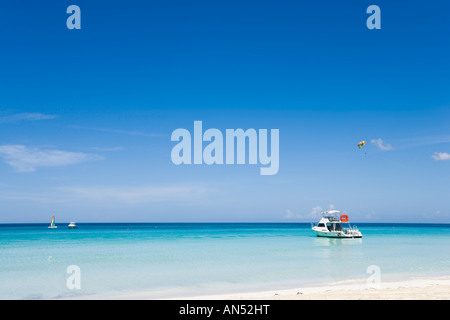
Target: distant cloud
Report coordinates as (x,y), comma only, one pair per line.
(290,215)
(415,142)
(313,215)
(26,117)
(381,144)
(118,131)
(437,215)
(141,194)
(107,149)
(441,156)
(25,159)
(186,194)
(317,211)
(423,141)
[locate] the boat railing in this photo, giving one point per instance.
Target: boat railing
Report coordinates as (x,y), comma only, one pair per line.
(351,229)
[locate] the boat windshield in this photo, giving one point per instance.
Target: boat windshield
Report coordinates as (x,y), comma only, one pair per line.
(334,226)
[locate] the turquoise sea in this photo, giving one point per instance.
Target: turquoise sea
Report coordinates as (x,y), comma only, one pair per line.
(168,260)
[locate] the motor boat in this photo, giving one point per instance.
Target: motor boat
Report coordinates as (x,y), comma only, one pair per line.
(335,225)
(72,225)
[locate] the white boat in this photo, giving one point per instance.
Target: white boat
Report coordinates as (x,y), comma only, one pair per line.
(72,225)
(335,225)
(52,224)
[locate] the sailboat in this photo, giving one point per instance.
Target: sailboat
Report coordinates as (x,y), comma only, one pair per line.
(52,224)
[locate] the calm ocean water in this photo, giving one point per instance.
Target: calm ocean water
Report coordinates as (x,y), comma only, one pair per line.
(183,259)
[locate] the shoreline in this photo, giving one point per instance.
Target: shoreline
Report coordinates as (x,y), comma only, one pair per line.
(423,288)
(420,288)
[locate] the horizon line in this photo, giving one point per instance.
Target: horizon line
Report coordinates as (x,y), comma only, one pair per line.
(217,222)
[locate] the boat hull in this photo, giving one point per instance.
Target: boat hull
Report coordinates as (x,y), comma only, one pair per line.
(338,235)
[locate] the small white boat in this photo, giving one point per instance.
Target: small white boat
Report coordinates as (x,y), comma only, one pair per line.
(334,225)
(72,225)
(52,224)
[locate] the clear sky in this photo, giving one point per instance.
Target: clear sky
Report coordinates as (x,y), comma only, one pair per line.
(86,115)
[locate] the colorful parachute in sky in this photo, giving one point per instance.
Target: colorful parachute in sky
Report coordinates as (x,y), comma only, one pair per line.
(361,144)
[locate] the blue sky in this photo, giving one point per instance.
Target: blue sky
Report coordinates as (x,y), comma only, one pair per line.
(86,115)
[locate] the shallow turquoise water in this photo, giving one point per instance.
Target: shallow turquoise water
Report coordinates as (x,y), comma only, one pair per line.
(168,260)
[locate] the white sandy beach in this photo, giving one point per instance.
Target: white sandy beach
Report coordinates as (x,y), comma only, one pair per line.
(435,288)
(413,289)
